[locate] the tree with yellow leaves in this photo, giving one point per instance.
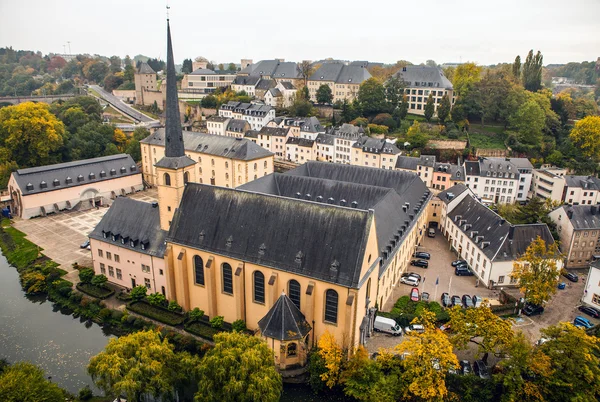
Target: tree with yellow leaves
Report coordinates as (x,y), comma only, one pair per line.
(427,358)
(537,271)
(481,326)
(120,139)
(465,76)
(586,136)
(360,375)
(333,356)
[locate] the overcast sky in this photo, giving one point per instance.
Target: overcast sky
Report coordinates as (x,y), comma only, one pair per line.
(483,31)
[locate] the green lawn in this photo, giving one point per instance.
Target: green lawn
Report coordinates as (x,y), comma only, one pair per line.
(488,137)
(19,251)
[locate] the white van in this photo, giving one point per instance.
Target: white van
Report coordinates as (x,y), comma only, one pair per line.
(431,232)
(384,324)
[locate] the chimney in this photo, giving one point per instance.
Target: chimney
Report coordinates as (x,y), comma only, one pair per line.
(570,213)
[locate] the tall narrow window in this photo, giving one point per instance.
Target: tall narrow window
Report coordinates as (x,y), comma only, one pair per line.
(294,292)
(186,177)
(167,179)
(259,287)
(331,306)
(368,295)
(227,279)
(198,270)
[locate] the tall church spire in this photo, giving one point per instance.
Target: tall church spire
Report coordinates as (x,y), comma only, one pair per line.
(173,135)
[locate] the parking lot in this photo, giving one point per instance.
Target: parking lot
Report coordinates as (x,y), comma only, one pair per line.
(61,234)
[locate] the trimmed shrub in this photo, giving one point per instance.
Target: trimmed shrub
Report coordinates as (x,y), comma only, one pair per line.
(105,314)
(196,314)
(239,325)
(86,275)
(156,313)
(378,129)
(99,280)
(202,330)
(95,291)
(138,293)
(156,299)
(217,322)
(85,393)
(174,306)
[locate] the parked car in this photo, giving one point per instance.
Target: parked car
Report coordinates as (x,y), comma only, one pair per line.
(467,301)
(582,322)
(414,294)
(462,271)
(423,255)
(409,280)
(431,232)
(571,276)
(594,312)
(477,300)
(465,367)
(425,296)
(414,275)
(420,263)
(456,301)
(384,324)
(533,309)
(85,244)
(446,300)
(458,262)
(480,369)
(414,327)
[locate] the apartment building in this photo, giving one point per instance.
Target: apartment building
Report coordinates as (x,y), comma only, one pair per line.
(256,114)
(305,127)
(344,80)
(423,166)
(421,81)
(488,243)
(207,81)
(446,175)
(591,293)
(345,137)
(246,84)
(220,160)
(216,124)
(300,150)
(373,152)
(270,138)
(548,183)
(499,180)
(237,128)
(325,147)
(278,70)
(579,230)
(582,190)
(282,96)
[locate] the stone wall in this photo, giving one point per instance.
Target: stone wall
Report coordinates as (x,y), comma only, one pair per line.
(447,144)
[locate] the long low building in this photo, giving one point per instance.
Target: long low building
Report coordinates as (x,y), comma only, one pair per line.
(80,184)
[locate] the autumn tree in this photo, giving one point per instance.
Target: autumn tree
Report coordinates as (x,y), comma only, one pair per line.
(429,108)
(333,358)
(120,139)
(238,368)
(465,76)
(482,327)
(371,96)
(141,363)
(30,135)
(360,376)
(427,358)
(24,382)
(95,70)
(575,363)
(516,68)
(306,70)
(537,271)
(586,136)
(324,94)
(115,64)
(532,71)
(524,372)
(529,122)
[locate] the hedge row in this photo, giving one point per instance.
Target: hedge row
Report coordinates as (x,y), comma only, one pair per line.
(156,313)
(95,291)
(201,329)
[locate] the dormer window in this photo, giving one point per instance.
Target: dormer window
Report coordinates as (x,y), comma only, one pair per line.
(29,187)
(43,184)
(133,168)
(56,183)
(105,234)
(123,169)
(92,176)
(80,178)
(115,237)
(113,172)
(102,173)
(68,180)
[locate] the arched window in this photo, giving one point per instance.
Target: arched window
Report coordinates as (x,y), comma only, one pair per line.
(255,166)
(198,270)
(331,306)
(226,165)
(291,349)
(265,164)
(186,177)
(200,170)
(227,278)
(294,292)
(167,179)
(259,287)
(368,292)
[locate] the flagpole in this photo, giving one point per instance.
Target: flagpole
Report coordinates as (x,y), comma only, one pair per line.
(436,287)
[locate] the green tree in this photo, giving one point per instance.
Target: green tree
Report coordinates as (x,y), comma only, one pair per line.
(186,68)
(112,81)
(402,110)
(443,110)
(304,93)
(360,376)
(6,168)
(231,67)
(300,107)
(586,136)
(516,68)
(24,382)
(529,121)
(532,71)
(324,94)
(86,275)
(141,364)
(459,115)
(30,135)
(394,92)
(465,76)
(371,96)
(138,292)
(115,64)
(129,70)
(99,280)
(429,108)
(209,102)
(95,71)
(575,363)
(91,140)
(537,271)
(238,368)
(416,137)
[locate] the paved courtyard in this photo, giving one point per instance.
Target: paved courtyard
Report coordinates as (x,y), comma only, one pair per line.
(61,234)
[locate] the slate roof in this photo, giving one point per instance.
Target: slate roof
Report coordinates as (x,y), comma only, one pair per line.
(251,134)
(493,235)
(275,131)
(457,173)
(306,124)
(325,139)
(219,145)
(521,163)
(498,166)
(411,162)
(266,84)
(348,131)
(423,75)
(287,85)
(135,221)
(284,321)
(217,119)
(340,73)
(472,168)
(237,125)
(273,68)
(292,235)
(275,92)
(248,109)
(202,71)
(54,177)
(145,68)
(301,142)
(450,193)
(376,146)
(587,182)
(244,80)
(584,216)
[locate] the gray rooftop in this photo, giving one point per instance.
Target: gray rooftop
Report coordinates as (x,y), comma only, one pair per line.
(450,193)
(275,131)
(498,167)
(301,142)
(77,173)
(376,146)
(340,73)
(235,148)
(243,80)
(456,172)
(284,321)
(275,92)
(584,182)
(411,162)
(237,125)
(424,76)
(584,216)
(265,85)
(217,119)
(348,131)
(326,139)
(145,68)
(136,223)
(287,85)
(273,68)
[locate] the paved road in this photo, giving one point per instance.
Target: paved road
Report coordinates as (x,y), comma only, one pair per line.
(121,106)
